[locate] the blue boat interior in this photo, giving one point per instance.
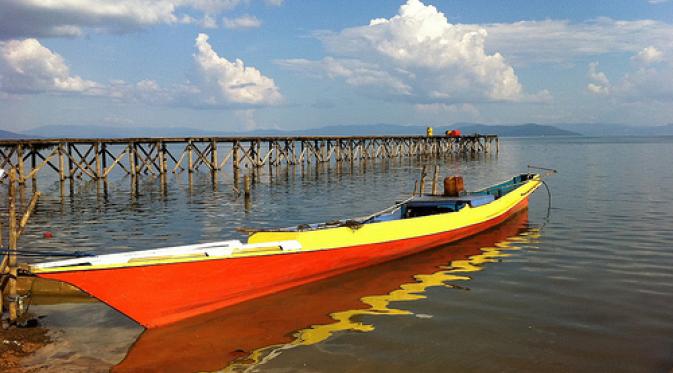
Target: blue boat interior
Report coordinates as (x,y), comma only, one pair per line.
(432,205)
(422,206)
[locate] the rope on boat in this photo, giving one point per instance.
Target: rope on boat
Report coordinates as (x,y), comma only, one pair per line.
(548,201)
(354,224)
(549,172)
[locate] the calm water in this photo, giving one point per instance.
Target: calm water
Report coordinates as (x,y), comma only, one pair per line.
(591,290)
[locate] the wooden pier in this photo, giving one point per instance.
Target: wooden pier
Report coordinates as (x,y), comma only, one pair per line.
(97,159)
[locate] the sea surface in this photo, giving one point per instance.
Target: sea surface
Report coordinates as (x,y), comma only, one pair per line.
(585,286)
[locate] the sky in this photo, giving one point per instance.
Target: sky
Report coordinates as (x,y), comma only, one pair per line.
(286,64)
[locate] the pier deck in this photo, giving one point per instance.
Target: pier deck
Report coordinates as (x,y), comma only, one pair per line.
(98,158)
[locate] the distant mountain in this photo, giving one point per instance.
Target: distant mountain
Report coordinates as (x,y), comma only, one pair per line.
(13,135)
(521,130)
(614,129)
(65,131)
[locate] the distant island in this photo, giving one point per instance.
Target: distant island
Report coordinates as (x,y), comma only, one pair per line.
(505,130)
(13,135)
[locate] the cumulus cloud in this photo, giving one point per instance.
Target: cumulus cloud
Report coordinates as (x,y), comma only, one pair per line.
(218,83)
(222,82)
(38,18)
(648,56)
(599,83)
(242,22)
(26,66)
(558,41)
(417,56)
(647,84)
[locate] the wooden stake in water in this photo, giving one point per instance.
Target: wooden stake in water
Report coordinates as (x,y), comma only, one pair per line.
(246,186)
(435,179)
(422,186)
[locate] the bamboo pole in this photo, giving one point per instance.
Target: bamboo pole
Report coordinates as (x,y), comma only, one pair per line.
(11,284)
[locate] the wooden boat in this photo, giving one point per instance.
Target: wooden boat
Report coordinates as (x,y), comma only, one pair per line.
(162,286)
(212,341)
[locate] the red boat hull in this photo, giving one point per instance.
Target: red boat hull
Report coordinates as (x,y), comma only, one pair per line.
(157,295)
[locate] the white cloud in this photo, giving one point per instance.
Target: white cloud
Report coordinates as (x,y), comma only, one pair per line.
(245,21)
(555,41)
(648,55)
(274,2)
(646,84)
(39,18)
(225,83)
(368,76)
(599,83)
(26,66)
(247,118)
(418,56)
(436,108)
(208,22)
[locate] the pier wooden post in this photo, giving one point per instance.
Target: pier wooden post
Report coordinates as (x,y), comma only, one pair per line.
(104,152)
(161,153)
(190,159)
(20,165)
(235,164)
(132,160)
(213,156)
(61,162)
(33,165)
(97,151)
(258,153)
(71,169)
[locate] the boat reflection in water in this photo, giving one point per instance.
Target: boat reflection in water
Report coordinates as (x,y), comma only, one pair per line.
(252,332)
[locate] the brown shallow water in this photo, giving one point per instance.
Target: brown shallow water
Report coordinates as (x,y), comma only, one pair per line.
(592,290)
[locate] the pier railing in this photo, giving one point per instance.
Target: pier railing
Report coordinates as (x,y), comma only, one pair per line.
(98,158)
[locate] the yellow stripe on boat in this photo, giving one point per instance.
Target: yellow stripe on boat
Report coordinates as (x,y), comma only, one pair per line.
(330,238)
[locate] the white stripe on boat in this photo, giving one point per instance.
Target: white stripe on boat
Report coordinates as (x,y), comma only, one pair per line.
(215,249)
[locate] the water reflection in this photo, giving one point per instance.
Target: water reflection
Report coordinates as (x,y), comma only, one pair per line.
(248,334)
